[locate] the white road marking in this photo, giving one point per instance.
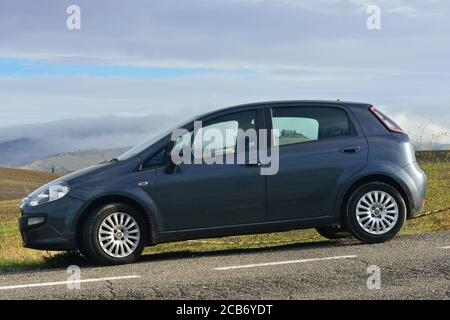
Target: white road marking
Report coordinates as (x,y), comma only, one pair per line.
(447,247)
(48,284)
(284,262)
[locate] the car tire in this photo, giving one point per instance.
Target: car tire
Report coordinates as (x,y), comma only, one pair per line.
(334,232)
(114,234)
(375,212)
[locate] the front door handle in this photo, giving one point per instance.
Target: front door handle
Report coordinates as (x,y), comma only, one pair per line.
(352,149)
(252,164)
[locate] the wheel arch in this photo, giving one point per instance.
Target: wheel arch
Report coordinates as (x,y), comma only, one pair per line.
(376,177)
(114,198)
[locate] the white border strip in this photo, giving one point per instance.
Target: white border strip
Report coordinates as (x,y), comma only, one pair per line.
(284,262)
(48,284)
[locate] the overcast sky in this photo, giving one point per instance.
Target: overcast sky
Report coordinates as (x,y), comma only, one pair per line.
(141,57)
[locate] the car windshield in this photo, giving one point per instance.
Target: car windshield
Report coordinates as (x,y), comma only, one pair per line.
(147,143)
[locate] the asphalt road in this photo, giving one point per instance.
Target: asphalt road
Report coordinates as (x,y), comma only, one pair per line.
(411,267)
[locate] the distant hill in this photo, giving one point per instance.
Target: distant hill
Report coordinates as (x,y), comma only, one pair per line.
(291,136)
(20,145)
(17,183)
(17,152)
(75,160)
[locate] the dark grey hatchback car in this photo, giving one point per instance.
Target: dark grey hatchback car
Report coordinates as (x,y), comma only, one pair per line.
(344,168)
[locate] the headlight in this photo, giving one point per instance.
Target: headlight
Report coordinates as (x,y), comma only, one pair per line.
(53,192)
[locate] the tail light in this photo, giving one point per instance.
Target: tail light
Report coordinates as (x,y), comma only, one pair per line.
(386,121)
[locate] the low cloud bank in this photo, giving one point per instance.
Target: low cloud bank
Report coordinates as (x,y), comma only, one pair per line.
(22,144)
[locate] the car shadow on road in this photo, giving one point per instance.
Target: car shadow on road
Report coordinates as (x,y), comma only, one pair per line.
(185,254)
(62,260)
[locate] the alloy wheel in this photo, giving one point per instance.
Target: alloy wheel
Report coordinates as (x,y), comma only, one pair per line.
(119,235)
(377,212)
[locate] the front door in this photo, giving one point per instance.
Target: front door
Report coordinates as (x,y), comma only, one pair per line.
(196,196)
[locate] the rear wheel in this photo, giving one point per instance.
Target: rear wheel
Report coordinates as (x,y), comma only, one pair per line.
(334,232)
(375,212)
(114,234)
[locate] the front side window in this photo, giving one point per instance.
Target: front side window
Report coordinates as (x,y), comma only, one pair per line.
(203,144)
(158,159)
(219,137)
(303,124)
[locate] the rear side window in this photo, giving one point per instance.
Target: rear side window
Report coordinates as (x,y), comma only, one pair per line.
(303,124)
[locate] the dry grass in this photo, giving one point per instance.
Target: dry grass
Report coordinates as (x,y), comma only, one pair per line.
(438,197)
(13,256)
(17,183)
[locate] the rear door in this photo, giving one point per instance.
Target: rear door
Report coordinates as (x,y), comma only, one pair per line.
(320,146)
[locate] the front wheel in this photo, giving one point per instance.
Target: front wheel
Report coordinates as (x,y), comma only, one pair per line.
(375,212)
(114,234)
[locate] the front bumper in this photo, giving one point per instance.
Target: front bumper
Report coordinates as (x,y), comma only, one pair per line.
(57,231)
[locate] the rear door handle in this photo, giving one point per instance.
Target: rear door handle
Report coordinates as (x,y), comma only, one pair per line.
(352,149)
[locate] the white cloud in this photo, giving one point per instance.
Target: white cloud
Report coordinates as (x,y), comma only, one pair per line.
(424,130)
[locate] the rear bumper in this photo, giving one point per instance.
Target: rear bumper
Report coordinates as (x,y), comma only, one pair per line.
(56,232)
(417,185)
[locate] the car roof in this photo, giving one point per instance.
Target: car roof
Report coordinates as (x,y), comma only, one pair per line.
(282,102)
